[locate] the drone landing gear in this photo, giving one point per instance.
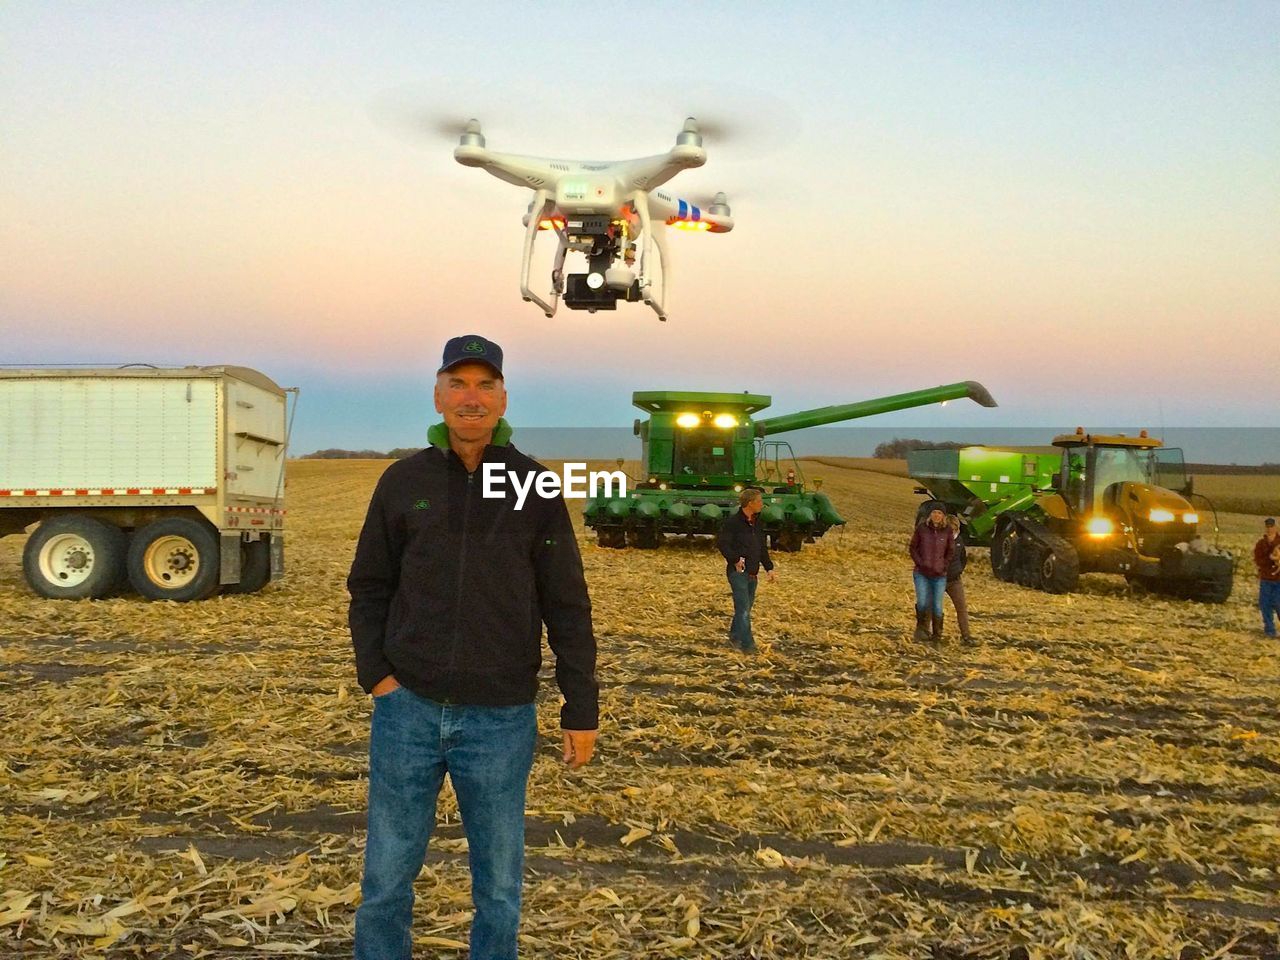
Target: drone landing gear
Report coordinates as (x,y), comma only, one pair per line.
(651,240)
(537,210)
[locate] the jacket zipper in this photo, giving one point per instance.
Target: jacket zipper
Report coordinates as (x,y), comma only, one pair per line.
(462,569)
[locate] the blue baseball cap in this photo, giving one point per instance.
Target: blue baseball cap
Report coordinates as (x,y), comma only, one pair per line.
(471,348)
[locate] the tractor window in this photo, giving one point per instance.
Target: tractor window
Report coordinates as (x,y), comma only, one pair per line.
(704,452)
(1119,465)
(1170,469)
(1072,477)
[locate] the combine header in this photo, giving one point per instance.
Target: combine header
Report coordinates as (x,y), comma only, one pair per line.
(699,450)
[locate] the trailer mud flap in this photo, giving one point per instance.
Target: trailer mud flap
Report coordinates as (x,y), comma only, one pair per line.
(230,560)
(277,556)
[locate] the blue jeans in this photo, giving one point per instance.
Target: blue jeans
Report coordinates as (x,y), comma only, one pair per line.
(1269,604)
(743,589)
(929,592)
(487,752)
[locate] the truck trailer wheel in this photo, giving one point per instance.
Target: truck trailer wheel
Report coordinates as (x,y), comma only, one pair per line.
(255,567)
(74,558)
(174,559)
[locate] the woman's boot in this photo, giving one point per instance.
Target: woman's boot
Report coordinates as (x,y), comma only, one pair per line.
(922,625)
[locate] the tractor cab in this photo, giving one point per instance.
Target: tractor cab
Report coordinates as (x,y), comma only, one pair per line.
(1114,483)
(1088,504)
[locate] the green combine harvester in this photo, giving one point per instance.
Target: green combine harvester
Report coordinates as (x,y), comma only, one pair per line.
(699,450)
(1089,503)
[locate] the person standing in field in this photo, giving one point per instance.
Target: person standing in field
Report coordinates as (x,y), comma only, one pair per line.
(1266,556)
(743,545)
(931,549)
(450,588)
(955,579)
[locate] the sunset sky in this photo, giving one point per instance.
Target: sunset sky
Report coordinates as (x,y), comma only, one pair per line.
(1077,204)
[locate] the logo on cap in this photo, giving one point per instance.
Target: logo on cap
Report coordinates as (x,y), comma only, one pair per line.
(475,346)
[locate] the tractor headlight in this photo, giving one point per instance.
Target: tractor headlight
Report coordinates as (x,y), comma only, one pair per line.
(1100,527)
(1160,515)
(1191,518)
(688,420)
(725,421)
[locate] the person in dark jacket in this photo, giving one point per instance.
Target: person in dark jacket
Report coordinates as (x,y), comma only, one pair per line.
(955,581)
(1266,557)
(450,588)
(743,545)
(931,548)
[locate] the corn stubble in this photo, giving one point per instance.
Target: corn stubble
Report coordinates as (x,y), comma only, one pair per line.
(1098,779)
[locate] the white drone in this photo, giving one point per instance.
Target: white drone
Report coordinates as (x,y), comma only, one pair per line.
(604,211)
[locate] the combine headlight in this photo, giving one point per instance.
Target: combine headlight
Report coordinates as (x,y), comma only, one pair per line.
(1191,518)
(1100,527)
(725,421)
(1160,515)
(688,420)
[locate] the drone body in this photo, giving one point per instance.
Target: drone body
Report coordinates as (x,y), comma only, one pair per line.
(614,213)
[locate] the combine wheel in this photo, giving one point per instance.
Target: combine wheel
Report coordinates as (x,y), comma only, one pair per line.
(790,541)
(1004,550)
(174,559)
(255,567)
(645,538)
(613,538)
(74,558)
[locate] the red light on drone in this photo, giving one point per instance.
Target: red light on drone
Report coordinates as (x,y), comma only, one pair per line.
(551,223)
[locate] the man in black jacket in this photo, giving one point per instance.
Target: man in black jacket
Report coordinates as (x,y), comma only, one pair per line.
(743,545)
(450,588)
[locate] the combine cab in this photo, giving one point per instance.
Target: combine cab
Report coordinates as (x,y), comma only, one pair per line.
(1089,504)
(699,450)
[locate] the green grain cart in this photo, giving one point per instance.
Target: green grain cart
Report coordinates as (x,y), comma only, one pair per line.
(1089,503)
(699,450)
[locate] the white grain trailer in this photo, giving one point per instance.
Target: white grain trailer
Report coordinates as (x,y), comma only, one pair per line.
(169,479)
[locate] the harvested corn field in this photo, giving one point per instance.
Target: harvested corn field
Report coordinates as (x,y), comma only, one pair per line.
(1099,778)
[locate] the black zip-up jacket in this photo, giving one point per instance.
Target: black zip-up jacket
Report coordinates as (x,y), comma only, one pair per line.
(739,537)
(450,589)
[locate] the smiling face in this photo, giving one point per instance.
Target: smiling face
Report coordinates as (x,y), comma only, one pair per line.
(472,397)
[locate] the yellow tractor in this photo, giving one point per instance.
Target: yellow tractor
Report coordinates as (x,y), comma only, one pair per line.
(1097,504)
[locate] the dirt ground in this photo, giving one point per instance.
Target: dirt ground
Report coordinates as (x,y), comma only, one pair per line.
(1099,778)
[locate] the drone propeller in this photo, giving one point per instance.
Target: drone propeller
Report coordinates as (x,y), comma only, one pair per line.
(718,129)
(403,113)
(452,127)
